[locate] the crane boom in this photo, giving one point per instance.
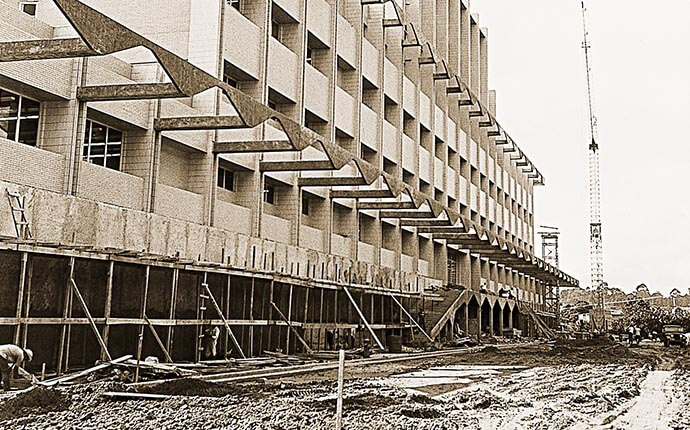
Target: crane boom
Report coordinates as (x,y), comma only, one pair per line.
(595,239)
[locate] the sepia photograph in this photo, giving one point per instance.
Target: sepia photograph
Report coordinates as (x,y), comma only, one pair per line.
(344,215)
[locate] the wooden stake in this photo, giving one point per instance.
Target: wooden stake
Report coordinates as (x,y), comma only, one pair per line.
(341,377)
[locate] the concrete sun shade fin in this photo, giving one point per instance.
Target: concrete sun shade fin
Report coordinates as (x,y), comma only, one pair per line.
(97,31)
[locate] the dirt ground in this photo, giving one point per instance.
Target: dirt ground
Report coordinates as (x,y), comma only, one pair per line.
(579,385)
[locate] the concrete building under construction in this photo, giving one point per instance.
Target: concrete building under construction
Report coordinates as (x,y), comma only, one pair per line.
(330,165)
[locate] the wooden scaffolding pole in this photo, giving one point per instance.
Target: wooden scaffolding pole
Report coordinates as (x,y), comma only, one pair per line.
(225,322)
(287,335)
(20,295)
(294,330)
(85,308)
(173,302)
(142,315)
(410,317)
(168,358)
(107,311)
(251,318)
(361,316)
(66,313)
(27,300)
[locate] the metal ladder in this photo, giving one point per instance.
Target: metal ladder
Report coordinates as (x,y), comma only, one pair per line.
(17,206)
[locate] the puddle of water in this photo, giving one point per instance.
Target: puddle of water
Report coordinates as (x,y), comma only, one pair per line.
(453,377)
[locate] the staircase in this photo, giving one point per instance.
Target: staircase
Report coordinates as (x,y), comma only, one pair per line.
(539,324)
(439,307)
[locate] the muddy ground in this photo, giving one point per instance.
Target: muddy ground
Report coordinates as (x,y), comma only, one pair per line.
(582,385)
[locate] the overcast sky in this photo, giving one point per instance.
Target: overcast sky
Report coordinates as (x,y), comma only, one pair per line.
(641,72)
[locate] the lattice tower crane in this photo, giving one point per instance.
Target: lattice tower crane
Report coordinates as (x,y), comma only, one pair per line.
(595,238)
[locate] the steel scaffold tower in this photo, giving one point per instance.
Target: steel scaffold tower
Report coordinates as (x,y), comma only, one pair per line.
(549,253)
(595,240)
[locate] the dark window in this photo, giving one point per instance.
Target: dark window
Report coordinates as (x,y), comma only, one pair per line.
(272,105)
(310,59)
(452,271)
(29,7)
(226,179)
(275,29)
(234,3)
(229,80)
(305,205)
(269,194)
(18,118)
(102,145)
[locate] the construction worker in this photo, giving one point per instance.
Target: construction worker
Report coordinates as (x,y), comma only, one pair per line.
(11,357)
(210,342)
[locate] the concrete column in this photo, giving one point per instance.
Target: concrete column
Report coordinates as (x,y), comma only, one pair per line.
(479,320)
(491,320)
(467,318)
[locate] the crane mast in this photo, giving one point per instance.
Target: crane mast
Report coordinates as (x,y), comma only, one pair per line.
(595,239)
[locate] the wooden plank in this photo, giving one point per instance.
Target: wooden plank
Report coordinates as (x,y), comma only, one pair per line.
(225,322)
(361,316)
(20,295)
(289,316)
(108,303)
(66,311)
(85,308)
(142,314)
(67,378)
(173,299)
(27,308)
(130,395)
(168,358)
(297,335)
(251,318)
(339,402)
(410,317)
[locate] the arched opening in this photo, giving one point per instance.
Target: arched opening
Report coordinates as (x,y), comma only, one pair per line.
(507,317)
(473,317)
(486,317)
(497,322)
(516,319)
(461,320)
(446,332)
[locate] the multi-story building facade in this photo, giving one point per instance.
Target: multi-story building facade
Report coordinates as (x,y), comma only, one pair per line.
(339,158)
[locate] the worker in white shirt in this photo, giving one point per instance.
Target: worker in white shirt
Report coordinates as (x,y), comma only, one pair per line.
(11,357)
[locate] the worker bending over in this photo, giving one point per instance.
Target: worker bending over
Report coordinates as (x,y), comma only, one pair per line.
(11,357)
